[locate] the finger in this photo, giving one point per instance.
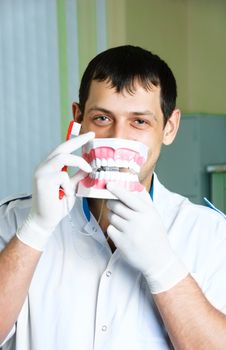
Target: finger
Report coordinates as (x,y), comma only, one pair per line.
(114,234)
(76,178)
(120,209)
(52,182)
(116,221)
(60,160)
(134,200)
(65,183)
(73,144)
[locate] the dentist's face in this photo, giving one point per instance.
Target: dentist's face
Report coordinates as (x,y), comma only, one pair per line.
(136,116)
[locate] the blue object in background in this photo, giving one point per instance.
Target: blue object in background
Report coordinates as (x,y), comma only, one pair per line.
(213,207)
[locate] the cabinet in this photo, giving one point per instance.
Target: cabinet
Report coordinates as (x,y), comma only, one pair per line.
(218,185)
(182,166)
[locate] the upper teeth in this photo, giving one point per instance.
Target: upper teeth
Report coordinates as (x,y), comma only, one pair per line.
(111,163)
(113,175)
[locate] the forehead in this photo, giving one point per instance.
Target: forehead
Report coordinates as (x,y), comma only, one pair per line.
(103,94)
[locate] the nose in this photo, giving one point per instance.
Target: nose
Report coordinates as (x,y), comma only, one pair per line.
(120,131)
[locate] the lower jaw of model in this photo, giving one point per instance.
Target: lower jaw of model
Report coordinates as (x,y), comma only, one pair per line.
(112,160)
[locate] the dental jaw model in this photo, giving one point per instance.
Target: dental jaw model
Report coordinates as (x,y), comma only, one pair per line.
(112,160)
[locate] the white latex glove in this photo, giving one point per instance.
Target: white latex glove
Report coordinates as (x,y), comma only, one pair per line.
(47,208)
(136,229)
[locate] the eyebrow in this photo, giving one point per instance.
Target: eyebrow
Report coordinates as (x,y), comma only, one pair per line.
(147,112)
(137,113)
(99,109)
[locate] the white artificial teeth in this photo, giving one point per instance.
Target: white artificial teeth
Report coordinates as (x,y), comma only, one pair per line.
(110,162)
(122,176)
(104,162)
(134,166)
(119,163)
(125,164)
(93,164)
(107,175)
(102,175)
(113,175)
(98,163)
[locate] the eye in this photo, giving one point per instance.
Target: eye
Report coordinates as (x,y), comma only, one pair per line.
(140,123)
(101,120)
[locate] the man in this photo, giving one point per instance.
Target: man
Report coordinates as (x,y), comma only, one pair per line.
(149,272)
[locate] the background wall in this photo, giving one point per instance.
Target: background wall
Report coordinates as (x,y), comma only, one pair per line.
(190,35)
(29,90)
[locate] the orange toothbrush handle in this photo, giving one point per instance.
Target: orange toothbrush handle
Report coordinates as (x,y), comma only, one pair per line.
(61,190)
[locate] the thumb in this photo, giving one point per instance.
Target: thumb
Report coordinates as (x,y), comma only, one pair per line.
(76,178)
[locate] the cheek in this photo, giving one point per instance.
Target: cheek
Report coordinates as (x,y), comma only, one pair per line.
(153,139)
(100,133)
(153,154)
(86,127)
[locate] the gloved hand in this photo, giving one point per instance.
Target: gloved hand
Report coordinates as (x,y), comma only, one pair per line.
(47,208)
(136,229)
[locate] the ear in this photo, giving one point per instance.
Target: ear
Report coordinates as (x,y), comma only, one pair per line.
(171,127)
(77,115)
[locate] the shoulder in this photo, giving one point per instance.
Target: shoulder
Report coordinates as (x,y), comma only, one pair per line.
(182,211)
(13,198)
(169,204)
(17,203)
(13,211)
(206,217)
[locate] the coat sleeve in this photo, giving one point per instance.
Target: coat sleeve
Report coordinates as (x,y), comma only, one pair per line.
(13,212)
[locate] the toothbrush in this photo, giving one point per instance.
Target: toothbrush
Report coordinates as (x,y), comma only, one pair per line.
(73,129)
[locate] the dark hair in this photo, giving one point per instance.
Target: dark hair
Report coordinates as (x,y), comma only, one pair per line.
(122,65)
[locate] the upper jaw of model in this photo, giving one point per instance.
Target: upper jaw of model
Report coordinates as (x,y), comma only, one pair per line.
(112,160)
